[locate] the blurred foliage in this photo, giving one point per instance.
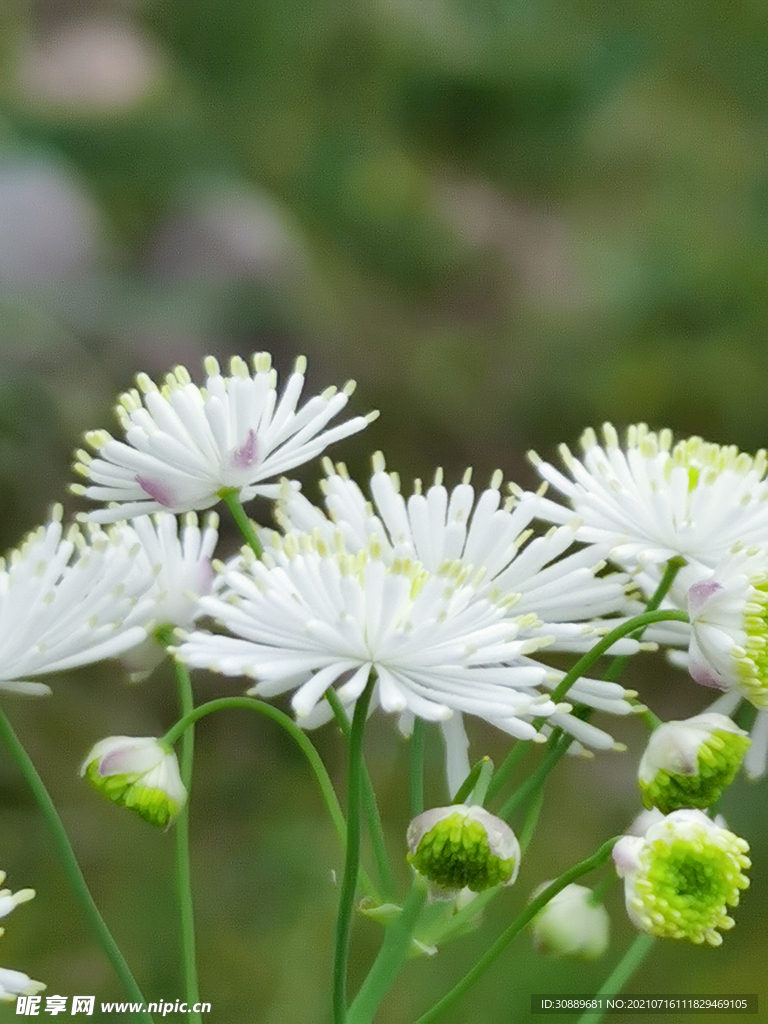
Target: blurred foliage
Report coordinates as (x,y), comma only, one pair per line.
(508,219)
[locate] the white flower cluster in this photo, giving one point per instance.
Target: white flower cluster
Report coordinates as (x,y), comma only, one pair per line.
(705,504)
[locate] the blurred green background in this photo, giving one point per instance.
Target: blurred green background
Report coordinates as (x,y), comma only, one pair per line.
(508,220)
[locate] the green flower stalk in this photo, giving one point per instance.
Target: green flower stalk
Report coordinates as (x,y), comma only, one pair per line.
(682,876)
(138,773)
(460,847)
(690,763)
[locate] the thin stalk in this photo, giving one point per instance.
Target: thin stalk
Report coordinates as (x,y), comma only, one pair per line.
(352,861)
(182,856)
(417,768)
(621,974)
(586,661)
(536,780)
(391,957)
(229,496)
(370,806)
(531,821)
(70,864)
(507,766)
(514,929)
(674,565)
(302,740)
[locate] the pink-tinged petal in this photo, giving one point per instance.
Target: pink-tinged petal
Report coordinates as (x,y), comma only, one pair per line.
(248,454)
(157,491)
(703,674)
(625,854)
(700,593)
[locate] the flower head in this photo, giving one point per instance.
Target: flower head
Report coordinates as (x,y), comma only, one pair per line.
(690,763)
(460,847)
(571,924)
(139,773)
(68,600)
(656,500)
(728,610)
(184,444)
(681,877)
(558,593)
(309,616)
(177,565)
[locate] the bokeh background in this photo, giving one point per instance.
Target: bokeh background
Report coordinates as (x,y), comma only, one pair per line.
(508,220)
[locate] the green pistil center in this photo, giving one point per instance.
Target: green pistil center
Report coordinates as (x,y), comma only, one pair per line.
(687,885)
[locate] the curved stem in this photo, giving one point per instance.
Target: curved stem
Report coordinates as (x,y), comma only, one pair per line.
(302,740)
(229,496)
(69,862)
(182,858)
(524,918)
(621,974)
(352,862)
(674,565)
(586,661)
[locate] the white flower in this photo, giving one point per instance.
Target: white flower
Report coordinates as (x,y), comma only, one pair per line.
(728,611)
(137,772)
(462,847)
(10,900)
(67,600)
(690,763)
(310,616)
(655,500)
(178,570)
(14,983)
(556,591)
(681,877)
(185,444)
(571,924)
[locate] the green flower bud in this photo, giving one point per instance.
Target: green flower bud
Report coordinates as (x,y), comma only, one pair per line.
(460,847)
(138,773)
(690,763)
(681,877)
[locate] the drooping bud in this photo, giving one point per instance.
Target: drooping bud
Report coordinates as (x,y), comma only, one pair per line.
(682,876)
(460,847)
(571,924)
(139,773)
(690,763)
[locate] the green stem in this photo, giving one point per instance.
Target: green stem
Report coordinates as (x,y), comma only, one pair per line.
(370,806)
(621,974)
(69,862)
(582,666)
(537,779)
(229,495)
(182,857)
(352,861)
(417,768)
(508,765)
(531,821)
(391,957)
(674,565)
(586,661)
(302,740)
(514,929)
